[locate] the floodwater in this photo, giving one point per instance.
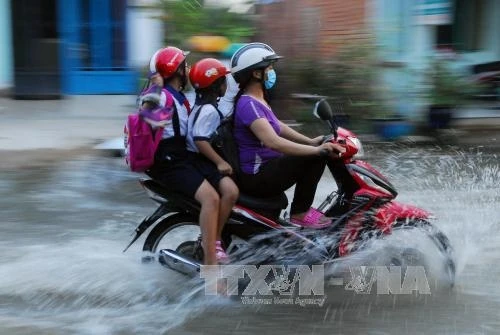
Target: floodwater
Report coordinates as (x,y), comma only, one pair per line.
(62,270)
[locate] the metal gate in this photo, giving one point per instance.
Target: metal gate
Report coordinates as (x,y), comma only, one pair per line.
(93,52)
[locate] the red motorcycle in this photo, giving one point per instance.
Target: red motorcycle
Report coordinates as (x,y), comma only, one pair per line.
(362,207)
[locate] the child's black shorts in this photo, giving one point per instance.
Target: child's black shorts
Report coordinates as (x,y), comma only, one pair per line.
(187,175)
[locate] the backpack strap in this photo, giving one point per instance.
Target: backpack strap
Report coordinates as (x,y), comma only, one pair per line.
(175,118)
(176,123)
(197,113)
(221,116)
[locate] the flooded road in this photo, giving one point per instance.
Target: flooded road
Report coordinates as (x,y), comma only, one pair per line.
(62,270)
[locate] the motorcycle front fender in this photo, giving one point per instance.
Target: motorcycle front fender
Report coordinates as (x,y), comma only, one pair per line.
(390,213)
(383,221)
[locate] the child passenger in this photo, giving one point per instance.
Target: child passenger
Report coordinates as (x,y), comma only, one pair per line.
(208,77)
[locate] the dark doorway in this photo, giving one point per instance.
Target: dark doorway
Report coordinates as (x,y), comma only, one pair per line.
(36,49)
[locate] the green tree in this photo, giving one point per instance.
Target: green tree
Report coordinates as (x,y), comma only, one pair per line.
(186,18)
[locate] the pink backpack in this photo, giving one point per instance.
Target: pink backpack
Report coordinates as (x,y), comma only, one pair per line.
(142,139)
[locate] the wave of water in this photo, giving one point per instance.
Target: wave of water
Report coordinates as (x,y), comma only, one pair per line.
(70,276)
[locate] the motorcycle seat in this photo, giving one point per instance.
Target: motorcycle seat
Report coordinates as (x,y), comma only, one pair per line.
(169,194)
(277,202)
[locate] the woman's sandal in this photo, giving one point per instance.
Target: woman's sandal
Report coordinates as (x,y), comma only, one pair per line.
(312,219)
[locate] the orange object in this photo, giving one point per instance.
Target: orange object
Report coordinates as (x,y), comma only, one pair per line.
(208,43)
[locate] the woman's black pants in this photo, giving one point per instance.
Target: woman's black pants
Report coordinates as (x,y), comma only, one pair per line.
(280,174)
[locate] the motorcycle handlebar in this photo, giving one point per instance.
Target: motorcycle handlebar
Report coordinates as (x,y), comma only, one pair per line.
(327,138)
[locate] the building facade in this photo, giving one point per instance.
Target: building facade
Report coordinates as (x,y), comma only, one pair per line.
(408,34)
(53,48)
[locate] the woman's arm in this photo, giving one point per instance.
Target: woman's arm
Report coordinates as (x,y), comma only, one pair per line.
(295,136)
(266,134)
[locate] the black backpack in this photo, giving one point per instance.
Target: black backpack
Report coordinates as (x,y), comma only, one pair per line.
(223,141)
(225,145)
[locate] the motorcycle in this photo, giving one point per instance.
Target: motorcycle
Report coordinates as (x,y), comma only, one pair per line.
(362,206)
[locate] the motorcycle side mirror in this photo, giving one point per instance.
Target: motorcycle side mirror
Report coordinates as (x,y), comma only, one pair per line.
(323,111)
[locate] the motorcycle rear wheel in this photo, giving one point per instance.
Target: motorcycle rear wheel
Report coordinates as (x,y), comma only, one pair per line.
(179,232)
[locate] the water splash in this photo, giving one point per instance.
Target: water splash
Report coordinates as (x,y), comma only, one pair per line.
(70,276)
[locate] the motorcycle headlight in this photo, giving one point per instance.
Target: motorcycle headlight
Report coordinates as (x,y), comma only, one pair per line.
(357,143)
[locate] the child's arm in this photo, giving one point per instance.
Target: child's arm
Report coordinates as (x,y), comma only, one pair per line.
(156,79)
(206,149)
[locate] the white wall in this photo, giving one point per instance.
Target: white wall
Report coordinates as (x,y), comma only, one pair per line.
(6,52)
(407,45)
(145,32)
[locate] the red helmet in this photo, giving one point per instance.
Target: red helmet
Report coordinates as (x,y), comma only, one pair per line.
(167,60)
(206,71)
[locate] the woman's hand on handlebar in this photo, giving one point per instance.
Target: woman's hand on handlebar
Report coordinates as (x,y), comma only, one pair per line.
(321,139)
(332,150)
(317,140)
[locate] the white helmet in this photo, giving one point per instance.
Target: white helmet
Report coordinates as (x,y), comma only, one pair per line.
(252,56)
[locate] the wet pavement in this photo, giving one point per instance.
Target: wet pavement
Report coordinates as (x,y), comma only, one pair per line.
(62,270)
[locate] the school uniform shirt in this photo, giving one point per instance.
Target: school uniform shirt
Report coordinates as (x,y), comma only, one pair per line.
(202,127)
(253,153)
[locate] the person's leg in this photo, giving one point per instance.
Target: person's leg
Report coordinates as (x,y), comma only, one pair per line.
(273,178)
(208,197)
(307,183)
(229,194)
(282,173)
(184,177)
(225,185)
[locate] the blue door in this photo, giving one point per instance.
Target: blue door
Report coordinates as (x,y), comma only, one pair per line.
(93,52)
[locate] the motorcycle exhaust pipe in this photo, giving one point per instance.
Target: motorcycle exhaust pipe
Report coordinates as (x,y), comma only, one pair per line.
(178,262)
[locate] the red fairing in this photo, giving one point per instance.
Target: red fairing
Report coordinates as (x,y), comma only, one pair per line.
(353,227)
(371,193)
(342,132)
(371,169)
(257,216)
(350,147)
(386,216)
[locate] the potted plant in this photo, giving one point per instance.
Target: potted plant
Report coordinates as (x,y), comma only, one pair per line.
(351,81)
(446,90)
(387,123)
(358,82)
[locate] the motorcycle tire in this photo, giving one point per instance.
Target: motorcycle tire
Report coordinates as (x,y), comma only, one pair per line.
(441,242)
(168,225)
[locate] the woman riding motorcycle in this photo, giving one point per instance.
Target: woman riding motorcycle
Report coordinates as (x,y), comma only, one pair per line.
(273,156)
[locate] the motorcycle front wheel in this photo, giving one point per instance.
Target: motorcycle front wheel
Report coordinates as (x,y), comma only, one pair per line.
(441,242)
